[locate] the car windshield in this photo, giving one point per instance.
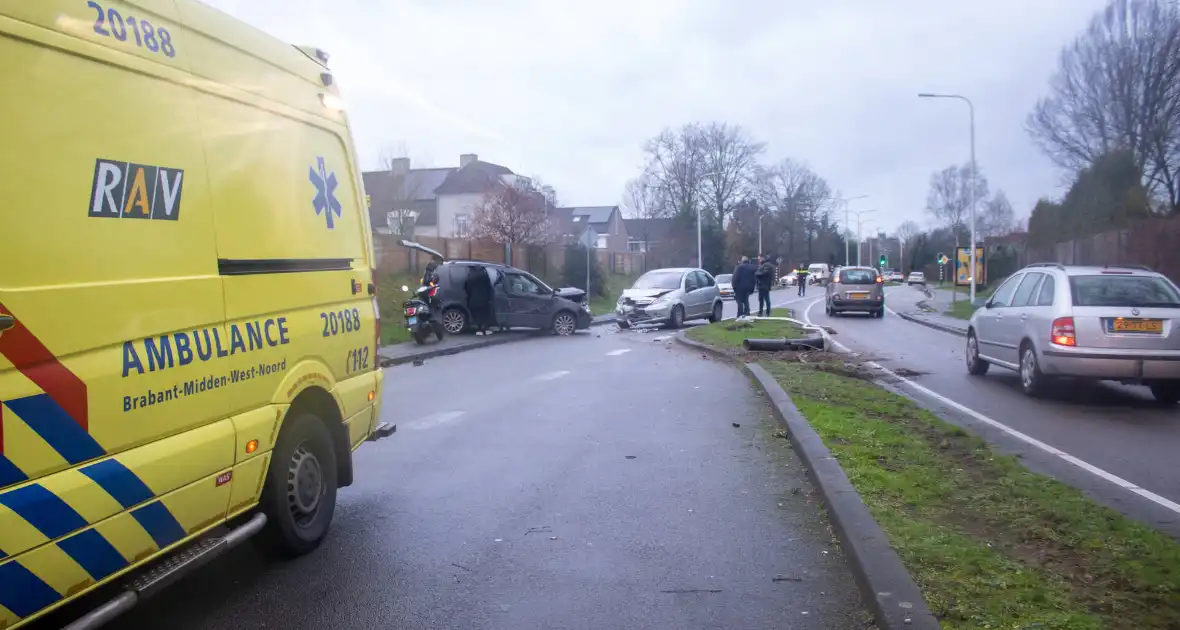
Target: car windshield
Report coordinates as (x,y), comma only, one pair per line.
(1123,290)
(858,276)
(724,278)
(659,280)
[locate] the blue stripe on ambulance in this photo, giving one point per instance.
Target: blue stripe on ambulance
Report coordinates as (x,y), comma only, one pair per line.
(44,510)
(123,485)
(94,554)
(9,473)
(56,427)
(159,523)
(22,592)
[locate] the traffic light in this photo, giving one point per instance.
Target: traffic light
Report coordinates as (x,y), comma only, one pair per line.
(883,260)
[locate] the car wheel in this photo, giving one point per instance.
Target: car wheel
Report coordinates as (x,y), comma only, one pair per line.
(623,324)
(564,323)
(676,320)
(828,309)
(1032,381)
(975,365)
(299,497)
(454,320)
(1166,392)
(716,316)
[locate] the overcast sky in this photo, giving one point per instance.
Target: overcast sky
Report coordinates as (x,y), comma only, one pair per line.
(569,91)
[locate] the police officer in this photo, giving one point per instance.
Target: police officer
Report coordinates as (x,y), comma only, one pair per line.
(801,279)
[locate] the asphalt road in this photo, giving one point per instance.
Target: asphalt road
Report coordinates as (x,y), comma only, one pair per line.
(1116,428)
(586,482)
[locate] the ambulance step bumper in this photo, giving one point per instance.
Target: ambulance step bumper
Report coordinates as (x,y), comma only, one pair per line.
(383,430)
(167,571)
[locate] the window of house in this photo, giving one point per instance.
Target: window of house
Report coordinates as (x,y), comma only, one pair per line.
(577,219)
(462,226)
(636,247)
(601,241)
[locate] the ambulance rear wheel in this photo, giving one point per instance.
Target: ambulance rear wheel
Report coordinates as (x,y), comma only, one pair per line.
(299,497)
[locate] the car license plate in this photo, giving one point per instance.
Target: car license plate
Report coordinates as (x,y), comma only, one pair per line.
(410,321)
(858,296)
(1145,326)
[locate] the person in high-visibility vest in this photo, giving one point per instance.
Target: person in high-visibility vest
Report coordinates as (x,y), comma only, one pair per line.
(801,279)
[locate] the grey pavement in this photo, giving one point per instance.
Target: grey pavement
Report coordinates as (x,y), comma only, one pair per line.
(1116,428)
(594,481)
(455,344)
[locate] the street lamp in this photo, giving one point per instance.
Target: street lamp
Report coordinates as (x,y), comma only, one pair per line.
(858,214)
(971,112)
(847,247)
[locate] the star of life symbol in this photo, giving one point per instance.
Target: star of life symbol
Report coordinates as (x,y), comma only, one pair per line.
(325,184)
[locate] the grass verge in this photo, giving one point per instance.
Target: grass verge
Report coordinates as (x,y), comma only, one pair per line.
(615,283)
(730,334)
(389,299)
(991,544)
(962,307)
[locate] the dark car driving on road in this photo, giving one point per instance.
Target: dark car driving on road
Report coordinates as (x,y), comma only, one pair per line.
(522,300)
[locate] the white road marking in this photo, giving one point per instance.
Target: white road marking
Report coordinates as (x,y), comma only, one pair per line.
(1027,439)
(615,353)
(549,376)
(434,420)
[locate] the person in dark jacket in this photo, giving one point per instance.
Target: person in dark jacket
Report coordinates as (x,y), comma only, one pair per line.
(430,275)
(480,300)
(743,285)
(765,280)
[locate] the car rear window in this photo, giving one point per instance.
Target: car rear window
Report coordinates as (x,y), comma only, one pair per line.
(1123,290)
(858,276)
(659,280)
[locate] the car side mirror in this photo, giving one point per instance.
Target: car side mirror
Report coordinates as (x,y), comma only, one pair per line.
(983,303)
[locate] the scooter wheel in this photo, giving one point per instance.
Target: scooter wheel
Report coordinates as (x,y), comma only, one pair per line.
(419,336)
(439,331)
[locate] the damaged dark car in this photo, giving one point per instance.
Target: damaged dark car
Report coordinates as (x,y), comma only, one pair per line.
(522,300)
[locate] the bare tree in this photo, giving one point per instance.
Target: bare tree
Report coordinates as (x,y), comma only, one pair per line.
(1117,87)
(905,233)
(515,213)
(794,194)
(949,198)
(996,217)
(403,187)
(676,164)
(730,159)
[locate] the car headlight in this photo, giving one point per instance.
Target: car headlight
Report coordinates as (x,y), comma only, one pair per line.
(661,301)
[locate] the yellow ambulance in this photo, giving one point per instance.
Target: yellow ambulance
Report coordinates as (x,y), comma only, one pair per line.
(188,314)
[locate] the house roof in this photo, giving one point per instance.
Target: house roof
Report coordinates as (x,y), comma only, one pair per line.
(594,215)
(476,177)
(415,191)
(649,229)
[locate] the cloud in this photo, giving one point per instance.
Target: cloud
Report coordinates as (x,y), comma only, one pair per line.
(570,90)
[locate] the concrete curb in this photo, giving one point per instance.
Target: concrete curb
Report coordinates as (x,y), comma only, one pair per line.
(431,353)
(886,585)
(935,325)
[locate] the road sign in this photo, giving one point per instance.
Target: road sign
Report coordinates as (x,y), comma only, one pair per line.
(942,259)
(589,241)
(589,238)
